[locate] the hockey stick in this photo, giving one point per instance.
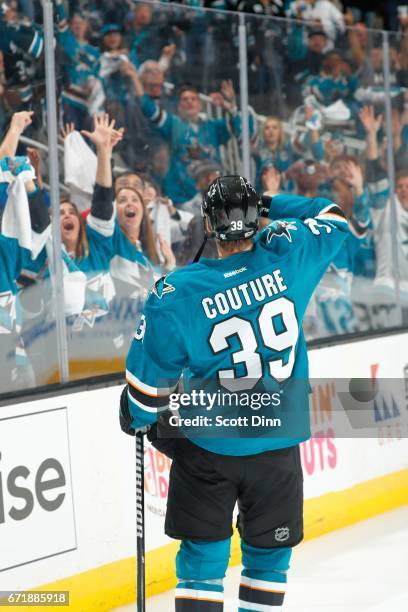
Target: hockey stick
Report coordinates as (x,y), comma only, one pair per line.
(140,526)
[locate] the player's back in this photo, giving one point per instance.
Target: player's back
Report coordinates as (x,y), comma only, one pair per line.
(242,314)
(235,322)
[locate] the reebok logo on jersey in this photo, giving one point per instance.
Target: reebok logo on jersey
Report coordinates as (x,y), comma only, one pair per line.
(235,272)
(280,228)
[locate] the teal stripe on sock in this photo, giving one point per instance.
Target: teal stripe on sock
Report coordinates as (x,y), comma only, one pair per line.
(264,575)
(200,586)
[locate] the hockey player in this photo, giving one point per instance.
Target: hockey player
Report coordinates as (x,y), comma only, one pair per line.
(186,325)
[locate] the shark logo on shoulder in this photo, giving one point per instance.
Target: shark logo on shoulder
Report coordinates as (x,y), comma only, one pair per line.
(161,287)
(280,228)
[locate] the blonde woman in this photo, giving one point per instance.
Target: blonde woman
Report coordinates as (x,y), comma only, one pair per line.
(274,149)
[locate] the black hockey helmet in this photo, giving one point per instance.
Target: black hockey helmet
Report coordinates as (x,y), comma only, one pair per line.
(231,207)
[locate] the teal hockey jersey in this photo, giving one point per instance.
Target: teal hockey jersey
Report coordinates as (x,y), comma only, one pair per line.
(236,321)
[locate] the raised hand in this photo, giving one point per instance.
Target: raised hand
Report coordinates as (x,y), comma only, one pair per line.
(18,124)
(35,160)
(127,68)
(117,136)
(66,130)
(20,121)
(355,177)
(370,122)
(168,51)
(271,180)
(104,135)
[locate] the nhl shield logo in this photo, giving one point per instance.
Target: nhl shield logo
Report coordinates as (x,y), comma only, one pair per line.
(282,534)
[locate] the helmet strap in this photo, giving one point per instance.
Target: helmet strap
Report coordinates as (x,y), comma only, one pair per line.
(200,250)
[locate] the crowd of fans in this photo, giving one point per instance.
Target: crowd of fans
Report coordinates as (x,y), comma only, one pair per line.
(149,109)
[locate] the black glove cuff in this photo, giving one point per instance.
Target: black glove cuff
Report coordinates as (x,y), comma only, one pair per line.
(125,418)
(265,206)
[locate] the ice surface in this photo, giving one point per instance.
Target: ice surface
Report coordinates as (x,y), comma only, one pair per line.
(362,568)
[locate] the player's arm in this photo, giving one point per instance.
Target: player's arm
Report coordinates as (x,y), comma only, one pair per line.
(153,367)
(298,207)
(320,225)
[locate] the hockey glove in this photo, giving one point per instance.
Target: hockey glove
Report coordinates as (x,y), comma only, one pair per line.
(125,418)
(264,206)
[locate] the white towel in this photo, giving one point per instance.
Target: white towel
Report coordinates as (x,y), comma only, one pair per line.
(337,111)
(79,168)
(74,283)
(16,222)
(384,235)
